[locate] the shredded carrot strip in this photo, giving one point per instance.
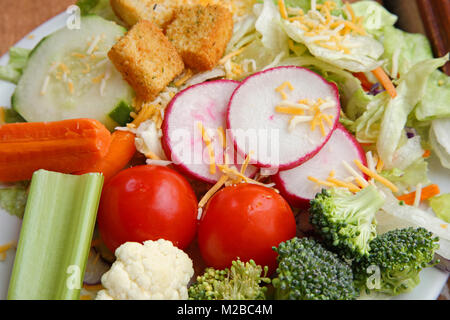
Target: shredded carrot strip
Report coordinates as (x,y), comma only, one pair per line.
(385,81)
(427,193)
(426,154)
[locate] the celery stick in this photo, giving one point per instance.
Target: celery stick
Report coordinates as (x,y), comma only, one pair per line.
(55,237)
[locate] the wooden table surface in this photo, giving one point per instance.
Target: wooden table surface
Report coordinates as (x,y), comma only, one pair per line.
(20,17)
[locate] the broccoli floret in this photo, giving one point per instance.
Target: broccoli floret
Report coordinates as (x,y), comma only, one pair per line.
(241,282)
(346,221)
(395,261)
(308,271)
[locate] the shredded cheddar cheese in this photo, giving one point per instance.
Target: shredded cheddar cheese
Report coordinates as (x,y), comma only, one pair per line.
(231,55)
(5,248)
(357,177)
(246,163)
(332,182)
(222,137)
(281,88)
(185,77)
(282,8)
(212,191)
(307,111)
(418,195)
(376,176)
(209,146)
(324,29)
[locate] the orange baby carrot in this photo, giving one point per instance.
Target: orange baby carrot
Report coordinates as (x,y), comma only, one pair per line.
(62,146)
(120,152)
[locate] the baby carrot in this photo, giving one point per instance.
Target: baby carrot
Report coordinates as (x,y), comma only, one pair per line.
(120,152)
(62,146)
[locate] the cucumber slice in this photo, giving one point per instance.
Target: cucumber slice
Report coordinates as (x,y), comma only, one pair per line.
(69,76)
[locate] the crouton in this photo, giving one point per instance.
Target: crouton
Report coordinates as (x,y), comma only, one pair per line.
(146,59)
(200,34)
(160,12)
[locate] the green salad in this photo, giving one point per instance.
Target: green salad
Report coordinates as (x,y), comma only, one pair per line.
(344,210)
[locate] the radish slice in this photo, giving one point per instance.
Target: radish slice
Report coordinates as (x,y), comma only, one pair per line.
(298,189)
(257,128)
(200,106)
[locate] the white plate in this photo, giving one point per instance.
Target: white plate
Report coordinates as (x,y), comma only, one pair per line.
(429,288)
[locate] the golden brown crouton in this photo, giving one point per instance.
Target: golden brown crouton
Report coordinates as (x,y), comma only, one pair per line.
(146,59)
(160,12)
(201,34)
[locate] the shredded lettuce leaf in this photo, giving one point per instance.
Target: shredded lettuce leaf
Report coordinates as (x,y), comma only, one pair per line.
(367,126)
(413,175)
(440,140)
(101,8)
(268,25)
(357,104)
(410,91)
(410,49)
(436,102)
(365,50)
(346,82)
(441,206)
(305,5)
(18,58)
(13,199)
(376,17)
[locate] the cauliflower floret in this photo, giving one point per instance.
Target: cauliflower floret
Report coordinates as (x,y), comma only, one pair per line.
(156,270)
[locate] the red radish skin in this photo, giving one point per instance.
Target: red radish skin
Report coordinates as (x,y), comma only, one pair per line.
(349,149)
(272,118)
(206,103)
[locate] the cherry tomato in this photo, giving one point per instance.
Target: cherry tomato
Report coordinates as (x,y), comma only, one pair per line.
(244,221)
(147,203)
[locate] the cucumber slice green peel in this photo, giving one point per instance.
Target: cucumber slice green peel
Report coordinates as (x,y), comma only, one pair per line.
(68,75)
(55,237)
(121,114)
